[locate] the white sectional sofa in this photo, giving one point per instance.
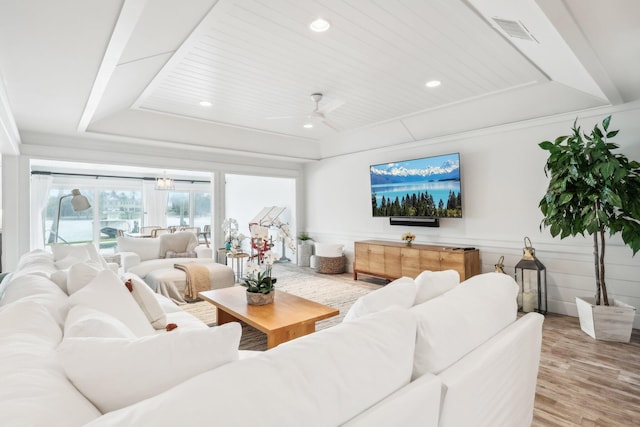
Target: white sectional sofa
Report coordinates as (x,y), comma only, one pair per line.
(424,352)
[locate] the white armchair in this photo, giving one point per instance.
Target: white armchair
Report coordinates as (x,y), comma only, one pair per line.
(134,250)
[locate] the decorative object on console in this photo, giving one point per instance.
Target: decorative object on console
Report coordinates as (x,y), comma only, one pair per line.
(593,190)
(260,285)
(165,183)
(499,266)
(531,276)
(408,237)
(78,202)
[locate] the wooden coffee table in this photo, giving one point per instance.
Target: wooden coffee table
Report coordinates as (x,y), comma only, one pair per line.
(288,317)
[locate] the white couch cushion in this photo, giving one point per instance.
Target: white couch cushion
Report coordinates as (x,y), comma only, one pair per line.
(40,395)
(322,379)
(37,262)
(145,248)
(431,284)
(33,389)
(328,249)
(36,256)
(26,316)
(42,290)
(83,321)
(458,321)
(114,373)
(108,294)
(400,292)
(147,301)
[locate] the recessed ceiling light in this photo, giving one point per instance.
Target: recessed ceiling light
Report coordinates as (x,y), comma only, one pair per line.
(432,83)
(320,25)
(205,104)
(308,125)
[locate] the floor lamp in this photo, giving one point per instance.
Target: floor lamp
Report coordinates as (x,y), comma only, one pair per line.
(78,202)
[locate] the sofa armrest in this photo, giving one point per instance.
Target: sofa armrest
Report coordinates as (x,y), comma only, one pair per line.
(505,369)
(204,252)
(128,260)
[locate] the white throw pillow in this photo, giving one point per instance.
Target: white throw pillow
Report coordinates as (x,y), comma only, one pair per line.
(108,294)
(114,373)
(321,379)
(431,284)
(401,292)
(147,301)
(80,275)
(84,251)
(61,251)
(458,321)
(83,321)
(60,278)
(329,249)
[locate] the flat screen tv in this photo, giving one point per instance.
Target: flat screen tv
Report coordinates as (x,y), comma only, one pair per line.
(428,187)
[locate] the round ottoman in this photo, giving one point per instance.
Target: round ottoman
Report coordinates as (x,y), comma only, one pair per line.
(330,265)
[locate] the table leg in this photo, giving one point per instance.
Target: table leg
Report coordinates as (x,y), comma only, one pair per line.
(223,317)
(294,331)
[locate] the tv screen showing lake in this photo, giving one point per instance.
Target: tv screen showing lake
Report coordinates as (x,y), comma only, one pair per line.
(428,187)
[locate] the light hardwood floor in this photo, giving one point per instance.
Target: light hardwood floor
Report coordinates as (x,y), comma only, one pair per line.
(584,382)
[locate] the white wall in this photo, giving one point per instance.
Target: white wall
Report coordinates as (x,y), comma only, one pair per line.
(503,182)
(247,195)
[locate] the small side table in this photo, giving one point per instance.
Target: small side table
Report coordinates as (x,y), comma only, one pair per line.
(237,263)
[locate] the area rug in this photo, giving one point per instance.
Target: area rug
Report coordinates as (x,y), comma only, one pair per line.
(338,291)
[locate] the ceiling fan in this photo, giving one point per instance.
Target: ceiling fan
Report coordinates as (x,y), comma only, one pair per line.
(318,115)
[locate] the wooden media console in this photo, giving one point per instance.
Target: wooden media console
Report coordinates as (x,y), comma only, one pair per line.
(391,260)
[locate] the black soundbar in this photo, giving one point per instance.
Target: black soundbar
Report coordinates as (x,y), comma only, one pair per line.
(413,221)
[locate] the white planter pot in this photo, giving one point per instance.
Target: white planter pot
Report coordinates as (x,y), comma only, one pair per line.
(606,323)
(305,251)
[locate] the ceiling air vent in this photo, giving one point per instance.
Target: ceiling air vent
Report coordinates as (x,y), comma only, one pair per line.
(514,29)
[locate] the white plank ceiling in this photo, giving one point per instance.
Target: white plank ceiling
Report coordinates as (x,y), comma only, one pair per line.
(257,62)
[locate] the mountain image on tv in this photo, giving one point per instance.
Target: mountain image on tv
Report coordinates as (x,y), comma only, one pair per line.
(426,187)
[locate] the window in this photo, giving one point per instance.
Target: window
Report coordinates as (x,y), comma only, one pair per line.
(73,227)
(189,208)
(119,212)
(119,205)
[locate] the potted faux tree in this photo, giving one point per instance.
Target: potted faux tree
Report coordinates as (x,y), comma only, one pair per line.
(594,190)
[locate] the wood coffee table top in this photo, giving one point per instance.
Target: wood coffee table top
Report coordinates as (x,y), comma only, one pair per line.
(288,317)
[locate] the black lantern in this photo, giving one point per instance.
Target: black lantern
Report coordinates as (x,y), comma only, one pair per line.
(531,276)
